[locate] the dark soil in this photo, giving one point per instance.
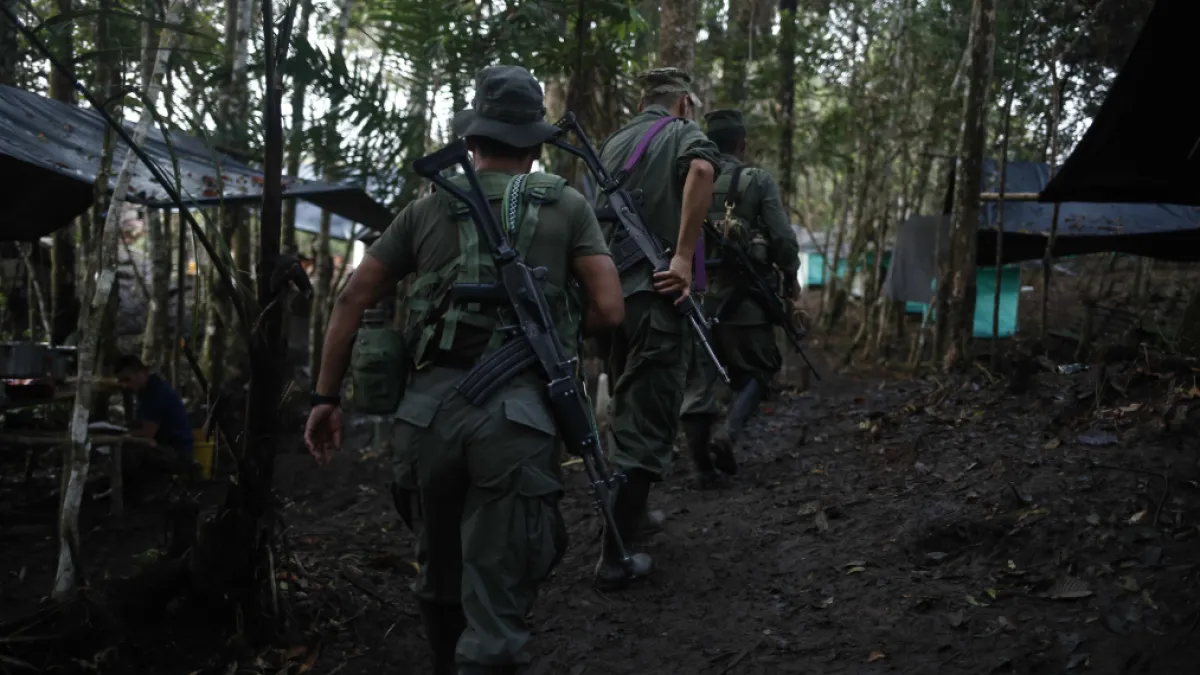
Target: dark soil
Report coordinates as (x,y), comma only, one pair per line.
(897,527)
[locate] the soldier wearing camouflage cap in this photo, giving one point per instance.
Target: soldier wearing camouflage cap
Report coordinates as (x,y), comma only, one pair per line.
(747,207)
(672,174)
(484,481)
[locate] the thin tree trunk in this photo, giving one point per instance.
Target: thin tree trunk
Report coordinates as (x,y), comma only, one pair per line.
(1048,253)
(296,137)
(64,304)
(35,291)
(155,340)
(677,34)
(331,173)
(1007,131)
(9,49)
(960,317)
(787,99)
(181,275)
(76,461)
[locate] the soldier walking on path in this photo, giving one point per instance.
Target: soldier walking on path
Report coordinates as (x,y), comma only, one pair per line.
(665,159)
(747,209)
(485,480)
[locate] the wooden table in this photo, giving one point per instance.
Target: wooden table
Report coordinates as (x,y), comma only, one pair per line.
(56,439)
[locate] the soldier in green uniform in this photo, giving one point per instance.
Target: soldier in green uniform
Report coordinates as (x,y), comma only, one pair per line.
(668,165)
(488,477)
(747,207)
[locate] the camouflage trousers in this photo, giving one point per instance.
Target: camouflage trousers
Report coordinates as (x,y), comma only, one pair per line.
(648,363)
(749,352)
(484,484)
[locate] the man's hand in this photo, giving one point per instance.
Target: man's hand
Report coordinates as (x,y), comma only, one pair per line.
(323,432)
(677,278)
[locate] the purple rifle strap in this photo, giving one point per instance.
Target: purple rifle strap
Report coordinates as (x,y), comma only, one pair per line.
(644,142)
(699,272)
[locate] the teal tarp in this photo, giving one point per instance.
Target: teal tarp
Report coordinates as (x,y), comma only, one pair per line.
(814,266)
(985,298)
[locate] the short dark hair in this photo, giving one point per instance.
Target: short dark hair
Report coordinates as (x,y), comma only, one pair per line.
(130,362)
(728,140)
(666,100)
(492,148)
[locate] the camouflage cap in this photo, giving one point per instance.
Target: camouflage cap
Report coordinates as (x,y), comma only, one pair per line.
(660,81)
(725,118)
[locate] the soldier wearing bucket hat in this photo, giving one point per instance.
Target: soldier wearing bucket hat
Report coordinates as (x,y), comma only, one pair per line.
(747,207)
(668,161)
(485,480)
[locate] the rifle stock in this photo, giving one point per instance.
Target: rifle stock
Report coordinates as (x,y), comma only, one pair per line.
(571,413)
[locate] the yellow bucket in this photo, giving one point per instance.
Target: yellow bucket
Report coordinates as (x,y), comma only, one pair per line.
(204,452)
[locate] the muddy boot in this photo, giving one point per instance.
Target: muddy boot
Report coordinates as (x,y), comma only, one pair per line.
(629,507)
(651,522)
(444,624)
(741,408)
(698,430)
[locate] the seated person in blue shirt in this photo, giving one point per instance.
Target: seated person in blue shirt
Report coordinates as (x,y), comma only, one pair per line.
(161,415)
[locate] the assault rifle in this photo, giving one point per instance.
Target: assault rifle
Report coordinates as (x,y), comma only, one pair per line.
(534,341)
(646,246)
(759,289)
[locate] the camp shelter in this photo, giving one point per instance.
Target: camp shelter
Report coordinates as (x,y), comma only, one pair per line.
(813,265)
(1153,230)
(1143,145)
(985,301)
(50,155)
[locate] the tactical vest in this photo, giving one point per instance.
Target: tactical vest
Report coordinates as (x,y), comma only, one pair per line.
(433,313)
(727,215)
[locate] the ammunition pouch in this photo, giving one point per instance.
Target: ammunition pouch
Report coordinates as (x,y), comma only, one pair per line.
(379,368)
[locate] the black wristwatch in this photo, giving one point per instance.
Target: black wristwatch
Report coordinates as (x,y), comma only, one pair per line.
(316,399)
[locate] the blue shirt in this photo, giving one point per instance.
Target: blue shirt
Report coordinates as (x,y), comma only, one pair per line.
(159,403)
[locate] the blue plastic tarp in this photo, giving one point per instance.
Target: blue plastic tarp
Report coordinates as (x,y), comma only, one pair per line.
(1156,230)
(985,299)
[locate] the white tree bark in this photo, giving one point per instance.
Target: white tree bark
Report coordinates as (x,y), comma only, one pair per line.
(76,461)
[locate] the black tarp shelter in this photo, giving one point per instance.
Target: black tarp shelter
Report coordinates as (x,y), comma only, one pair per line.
(1144,144)
(1166,231)
(50,155)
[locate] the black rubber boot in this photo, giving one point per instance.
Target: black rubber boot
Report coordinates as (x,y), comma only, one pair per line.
(629,508)
(444,624)
(741,408)
(698,431)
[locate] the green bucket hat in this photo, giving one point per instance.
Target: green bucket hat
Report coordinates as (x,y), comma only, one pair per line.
(509,107)
(725,118)
(667,81)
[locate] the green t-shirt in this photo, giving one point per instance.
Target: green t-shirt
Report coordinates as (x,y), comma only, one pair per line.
(759,207)
(425,238)
(658,177)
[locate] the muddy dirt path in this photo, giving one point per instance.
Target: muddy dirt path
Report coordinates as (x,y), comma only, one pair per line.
(875,527)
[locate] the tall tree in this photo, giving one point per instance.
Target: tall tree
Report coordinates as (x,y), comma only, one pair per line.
(331,173)
(231,113)
(295,147)
(10,48)
(64,306)
(155,339)
(677,34)
(787,98)
(960,317)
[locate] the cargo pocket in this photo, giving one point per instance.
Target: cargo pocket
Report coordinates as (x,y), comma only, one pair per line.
(415,414)
(663,342)
(545,530)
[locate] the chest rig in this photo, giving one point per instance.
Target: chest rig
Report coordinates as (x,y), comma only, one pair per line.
(735,228)
(465,292)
